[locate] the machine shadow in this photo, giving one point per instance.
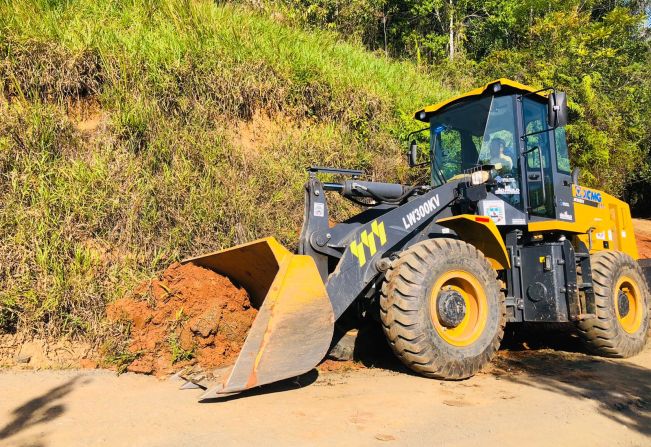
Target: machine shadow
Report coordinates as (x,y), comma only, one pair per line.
(532,336)
(550,357)
(544,357)
(373,351)
(284,385)
(554,360)
(40,409)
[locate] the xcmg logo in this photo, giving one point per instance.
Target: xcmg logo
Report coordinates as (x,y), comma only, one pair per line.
(587,196)
(368,240)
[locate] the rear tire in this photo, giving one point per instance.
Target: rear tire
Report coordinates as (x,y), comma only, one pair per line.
(425,339)
(619,285)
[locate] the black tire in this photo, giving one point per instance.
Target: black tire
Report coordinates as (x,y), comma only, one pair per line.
(408,320)
(607,334)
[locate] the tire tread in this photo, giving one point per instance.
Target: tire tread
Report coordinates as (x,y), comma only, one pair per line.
(401,305)
(603,335)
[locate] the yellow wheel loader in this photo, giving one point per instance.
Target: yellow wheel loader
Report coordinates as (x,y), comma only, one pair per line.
(502,233)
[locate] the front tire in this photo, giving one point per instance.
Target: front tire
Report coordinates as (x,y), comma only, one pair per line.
(621,326)
(442,309)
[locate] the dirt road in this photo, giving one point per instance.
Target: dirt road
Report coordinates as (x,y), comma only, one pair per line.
(541,397)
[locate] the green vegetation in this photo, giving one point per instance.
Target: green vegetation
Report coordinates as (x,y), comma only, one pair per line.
(133,134)
(598,51)
(136,133)
(121,360)
(178,353)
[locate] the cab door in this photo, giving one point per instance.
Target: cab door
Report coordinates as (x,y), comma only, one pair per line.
(537,158)
(546,164)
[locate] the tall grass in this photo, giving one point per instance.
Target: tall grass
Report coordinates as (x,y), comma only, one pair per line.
(168,167)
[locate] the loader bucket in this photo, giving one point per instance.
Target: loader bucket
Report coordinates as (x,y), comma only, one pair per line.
(295,321)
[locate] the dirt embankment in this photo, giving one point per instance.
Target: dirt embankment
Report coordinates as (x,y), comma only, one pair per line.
(188,315)
(642,228)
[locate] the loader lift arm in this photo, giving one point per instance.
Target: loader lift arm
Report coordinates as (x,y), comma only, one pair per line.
(363,245)
(305,293)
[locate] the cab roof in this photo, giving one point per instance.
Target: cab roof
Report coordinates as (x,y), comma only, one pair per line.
(491,87)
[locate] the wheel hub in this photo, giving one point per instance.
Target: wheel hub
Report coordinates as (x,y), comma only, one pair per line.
(622,304)
(451,308)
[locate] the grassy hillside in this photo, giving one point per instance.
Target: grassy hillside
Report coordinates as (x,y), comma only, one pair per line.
(135,133)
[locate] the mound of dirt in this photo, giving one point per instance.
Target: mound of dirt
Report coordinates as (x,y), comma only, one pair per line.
(187,315)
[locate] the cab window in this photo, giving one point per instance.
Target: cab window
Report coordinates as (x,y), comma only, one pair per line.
(475,133)
(498,148)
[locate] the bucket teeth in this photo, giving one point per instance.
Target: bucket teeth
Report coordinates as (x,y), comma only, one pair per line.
(191,379)
(191,386)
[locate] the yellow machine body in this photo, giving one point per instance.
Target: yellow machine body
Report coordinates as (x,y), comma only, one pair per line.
(481,232)
(602,222)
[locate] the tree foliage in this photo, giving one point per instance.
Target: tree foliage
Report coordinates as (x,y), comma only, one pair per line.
(603,64)
(599,51)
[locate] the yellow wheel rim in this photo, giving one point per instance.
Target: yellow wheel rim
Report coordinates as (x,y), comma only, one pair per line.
(476,306)
(628,288)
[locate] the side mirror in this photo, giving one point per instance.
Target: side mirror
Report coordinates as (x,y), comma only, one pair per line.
(557,109)
(413,154)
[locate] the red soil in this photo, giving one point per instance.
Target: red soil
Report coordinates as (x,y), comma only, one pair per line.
(642,228)
(188,309)
(643,245)
(329,365)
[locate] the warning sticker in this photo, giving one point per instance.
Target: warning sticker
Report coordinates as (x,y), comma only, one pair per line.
(495,210)
(319,209)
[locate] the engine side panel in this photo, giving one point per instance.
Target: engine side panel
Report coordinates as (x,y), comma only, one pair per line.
(601,221)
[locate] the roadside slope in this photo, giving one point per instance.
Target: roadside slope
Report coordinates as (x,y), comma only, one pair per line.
(133,134)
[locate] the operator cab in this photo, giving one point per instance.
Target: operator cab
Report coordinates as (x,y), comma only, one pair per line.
(504,128)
